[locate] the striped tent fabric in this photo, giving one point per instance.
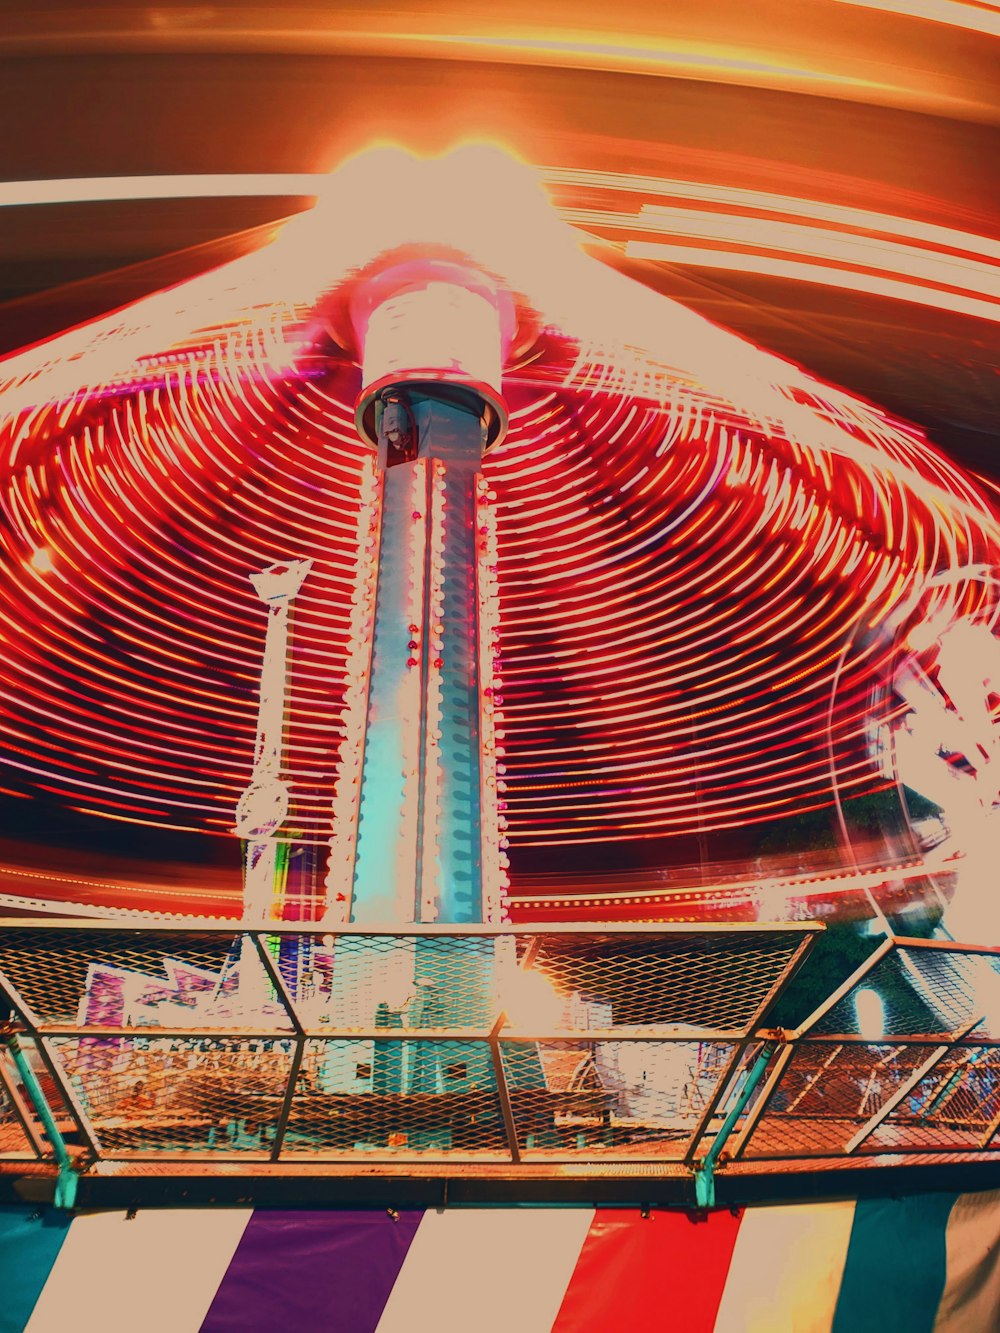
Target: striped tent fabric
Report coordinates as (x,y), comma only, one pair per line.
(920,1263)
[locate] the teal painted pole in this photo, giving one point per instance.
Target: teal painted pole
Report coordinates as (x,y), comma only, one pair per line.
(704,1175)
(66,1181)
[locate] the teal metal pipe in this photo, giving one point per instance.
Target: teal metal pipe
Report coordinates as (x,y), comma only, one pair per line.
(704,1173)
(66,1181)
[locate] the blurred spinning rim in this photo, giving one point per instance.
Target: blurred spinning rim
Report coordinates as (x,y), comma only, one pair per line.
(677,570)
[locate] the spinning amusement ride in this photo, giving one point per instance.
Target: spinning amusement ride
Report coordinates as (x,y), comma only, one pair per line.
(576,608)
(671,600)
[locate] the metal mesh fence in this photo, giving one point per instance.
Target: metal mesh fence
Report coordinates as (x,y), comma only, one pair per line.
(925,1086)
(72,978)
(714,982)
(571,1045)
(959,989)
(827,1094)
(955,1106)
(607,1098)
(147,1093)
(396,1097)
(925,991)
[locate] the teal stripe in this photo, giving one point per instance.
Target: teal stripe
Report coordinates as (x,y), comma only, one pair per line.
(30,1241)
(894,1273)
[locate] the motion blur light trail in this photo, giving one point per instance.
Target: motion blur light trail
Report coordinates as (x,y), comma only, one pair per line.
(979,16)
(831,244)
(697,546)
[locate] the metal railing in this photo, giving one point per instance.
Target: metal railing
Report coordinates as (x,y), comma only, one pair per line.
(928,1083)
(477,1047)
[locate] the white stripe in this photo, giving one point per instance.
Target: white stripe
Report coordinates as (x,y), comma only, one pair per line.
(157,1272)
(100,189)
(502,1270)
(971,1299)
(786,1269)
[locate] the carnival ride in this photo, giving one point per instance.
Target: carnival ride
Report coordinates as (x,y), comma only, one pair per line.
(574,573)
(696,546)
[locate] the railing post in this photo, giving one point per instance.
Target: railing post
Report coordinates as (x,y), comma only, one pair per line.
(503,1091)
(704,1171)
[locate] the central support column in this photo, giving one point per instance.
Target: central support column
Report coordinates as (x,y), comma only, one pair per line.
(419,777)
(420,852)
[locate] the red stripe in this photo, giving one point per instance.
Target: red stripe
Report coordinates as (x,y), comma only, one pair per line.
(634,1273)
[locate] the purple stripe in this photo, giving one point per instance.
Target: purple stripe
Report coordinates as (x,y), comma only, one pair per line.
(331,1270)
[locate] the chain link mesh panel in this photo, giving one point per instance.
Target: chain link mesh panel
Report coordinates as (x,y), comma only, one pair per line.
(117,978)
(393,1097)
(713,982)
(611,1098)
(357,982)
(924,991)
(959,989)
(827,1092)
(198,1093)
(950,1109)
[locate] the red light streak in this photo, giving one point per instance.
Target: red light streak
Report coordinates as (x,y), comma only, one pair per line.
(677,569)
